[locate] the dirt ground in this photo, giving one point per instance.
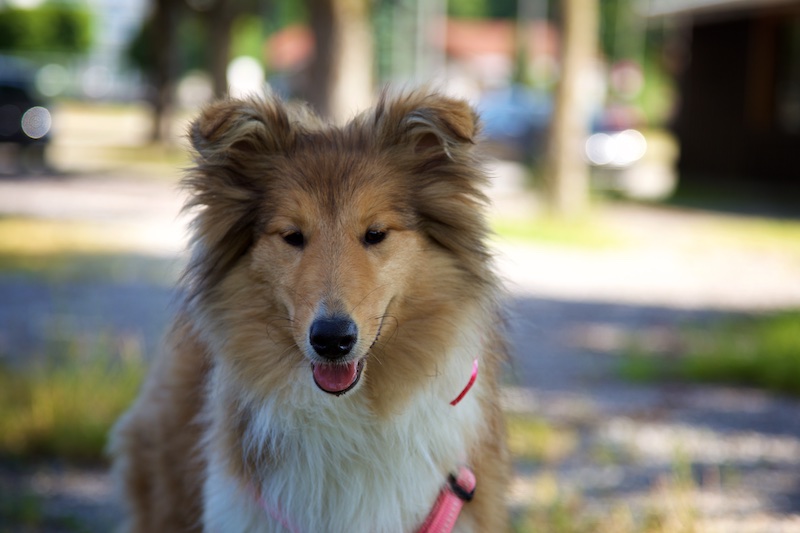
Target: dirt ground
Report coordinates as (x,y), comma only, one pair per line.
(570,308)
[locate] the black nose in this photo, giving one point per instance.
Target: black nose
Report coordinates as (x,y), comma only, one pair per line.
(334,337)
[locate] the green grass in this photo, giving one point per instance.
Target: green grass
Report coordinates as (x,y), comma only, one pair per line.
(551,506)
(58,251)
(667,507)
(564,515)
(63,406)
(22,512)
(60,403)
(111,137)
(20,509)
(761,234)
(760,351)
(30,236)
(533,439)
(67,267)
(576,234)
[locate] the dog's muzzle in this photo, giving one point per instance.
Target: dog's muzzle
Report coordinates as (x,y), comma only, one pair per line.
(332,339)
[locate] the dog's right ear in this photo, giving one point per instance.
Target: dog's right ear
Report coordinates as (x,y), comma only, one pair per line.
(231,128)
(234,140)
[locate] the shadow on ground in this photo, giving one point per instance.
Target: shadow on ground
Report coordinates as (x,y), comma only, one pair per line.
(742,446)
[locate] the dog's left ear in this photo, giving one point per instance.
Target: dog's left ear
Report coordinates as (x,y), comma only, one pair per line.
(432,125)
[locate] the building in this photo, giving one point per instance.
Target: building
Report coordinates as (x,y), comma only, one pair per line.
(739,90)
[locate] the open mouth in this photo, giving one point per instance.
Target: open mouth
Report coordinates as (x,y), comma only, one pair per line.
(337,378)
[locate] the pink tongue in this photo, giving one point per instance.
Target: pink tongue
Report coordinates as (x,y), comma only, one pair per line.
(335,378)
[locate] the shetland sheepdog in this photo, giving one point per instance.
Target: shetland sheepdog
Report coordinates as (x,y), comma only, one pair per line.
(334,361)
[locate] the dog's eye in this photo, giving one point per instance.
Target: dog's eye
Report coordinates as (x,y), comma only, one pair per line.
(295,239)
(374,236)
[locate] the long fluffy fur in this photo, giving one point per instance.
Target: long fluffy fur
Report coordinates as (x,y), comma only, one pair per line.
(229,432)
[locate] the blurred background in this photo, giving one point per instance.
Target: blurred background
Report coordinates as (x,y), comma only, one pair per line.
(645,157)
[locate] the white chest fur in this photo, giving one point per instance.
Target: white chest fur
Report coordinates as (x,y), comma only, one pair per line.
(338,468)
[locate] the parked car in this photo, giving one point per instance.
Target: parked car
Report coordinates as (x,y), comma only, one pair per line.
(624,160)
(515,121)
(25,120)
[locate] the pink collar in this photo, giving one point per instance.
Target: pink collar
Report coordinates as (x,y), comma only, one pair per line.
(452,498)
(470,383)
(459,489)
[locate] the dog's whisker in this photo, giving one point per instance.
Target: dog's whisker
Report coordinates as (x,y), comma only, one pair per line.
(352,311)
(302,297)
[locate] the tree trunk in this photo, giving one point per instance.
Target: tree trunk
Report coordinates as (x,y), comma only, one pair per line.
(219,19)
(164,26)
(340,78)
(567,172)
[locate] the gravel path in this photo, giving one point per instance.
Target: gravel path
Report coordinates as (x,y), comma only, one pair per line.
(571,313)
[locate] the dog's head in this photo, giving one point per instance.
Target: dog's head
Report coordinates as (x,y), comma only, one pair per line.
(316,247)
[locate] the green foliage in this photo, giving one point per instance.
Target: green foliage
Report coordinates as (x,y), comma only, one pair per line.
(193,42)
(64,405)
(658,92)
(286,12)
(620,34)
(759,351)
(51,27)
(140,53)
(467,8)
(247,37)
(482,8)
(191,38)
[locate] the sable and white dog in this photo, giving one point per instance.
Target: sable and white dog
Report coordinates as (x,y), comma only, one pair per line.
(339,298)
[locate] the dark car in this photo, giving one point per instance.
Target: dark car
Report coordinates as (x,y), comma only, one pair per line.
(24,119)
(515,121)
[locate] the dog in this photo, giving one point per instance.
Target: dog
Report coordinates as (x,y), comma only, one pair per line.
(334,361)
